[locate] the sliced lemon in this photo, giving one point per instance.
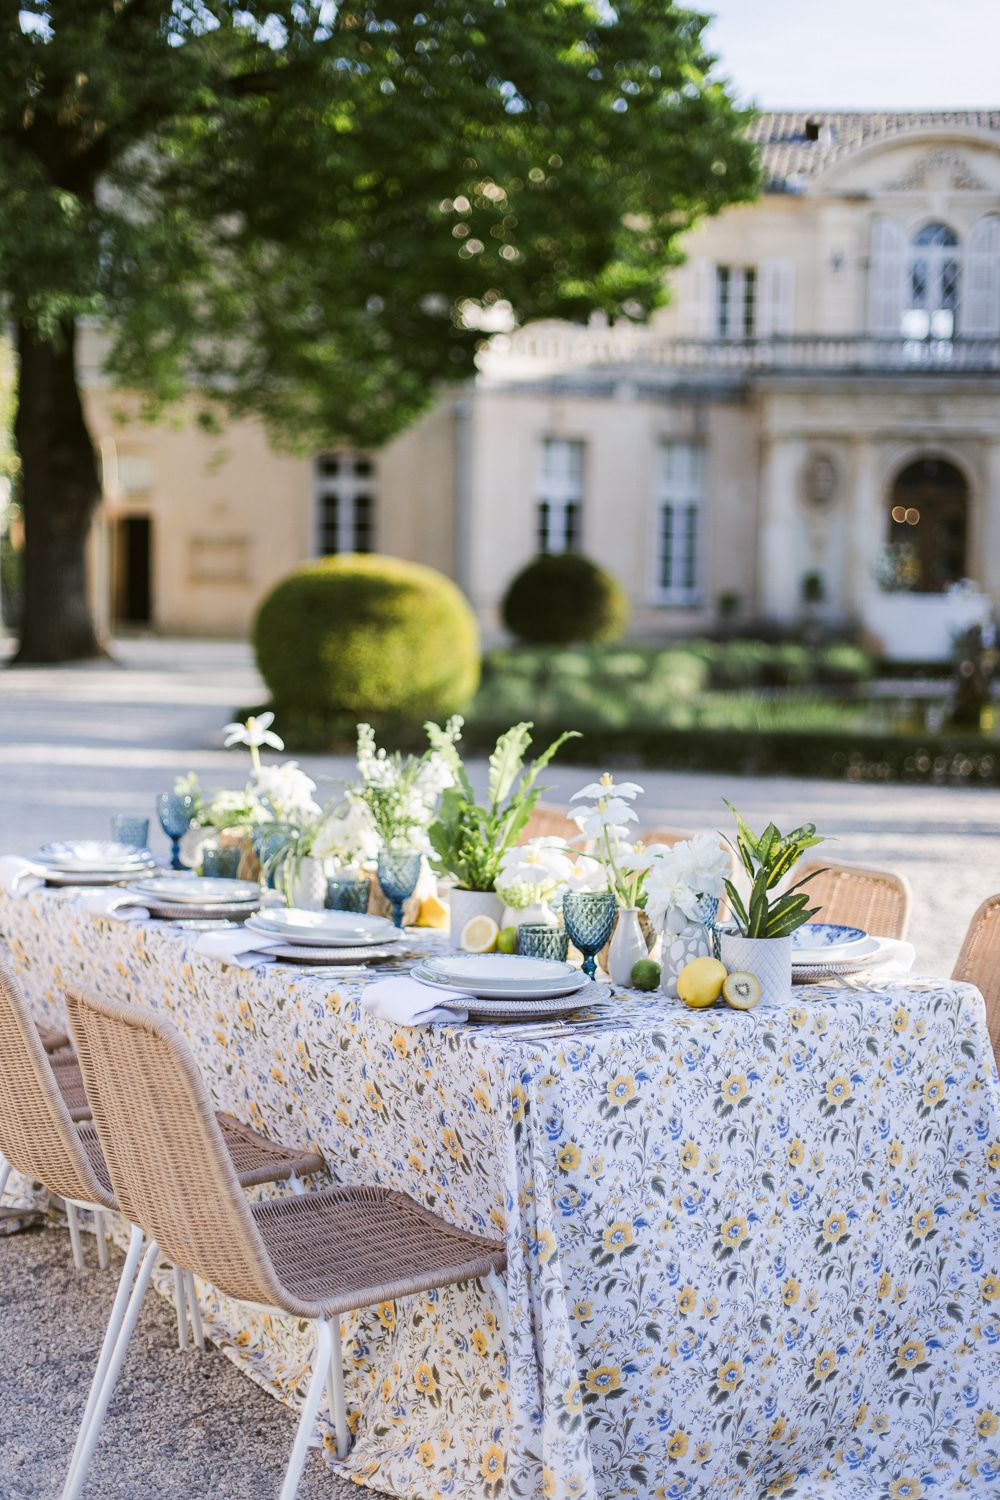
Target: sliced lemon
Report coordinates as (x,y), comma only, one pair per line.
(479,935)
(432,913)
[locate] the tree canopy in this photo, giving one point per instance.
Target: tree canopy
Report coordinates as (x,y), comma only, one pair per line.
(303,208)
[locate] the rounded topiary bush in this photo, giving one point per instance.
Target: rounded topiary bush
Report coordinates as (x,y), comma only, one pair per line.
(368,637)
(563,597)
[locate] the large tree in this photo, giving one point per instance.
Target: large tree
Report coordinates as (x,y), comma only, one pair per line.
(296,208)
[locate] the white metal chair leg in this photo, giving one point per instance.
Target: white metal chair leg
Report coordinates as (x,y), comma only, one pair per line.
(180,1298)
(101,1232)
(78,1474)
(335,1392)
(307,1421)
(73,1219)
(4,1174)
(135,1245)
(195,1311)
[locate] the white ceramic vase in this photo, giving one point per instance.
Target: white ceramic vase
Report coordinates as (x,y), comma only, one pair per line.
(628,945)
(468,904)
(537,915)
(769,959)
(309,885)
(683,940)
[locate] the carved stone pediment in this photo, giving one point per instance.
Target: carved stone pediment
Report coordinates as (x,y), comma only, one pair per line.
(938,169)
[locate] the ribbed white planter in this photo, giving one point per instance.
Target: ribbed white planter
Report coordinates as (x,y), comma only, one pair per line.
(468,904)
(769,959)
(309,885)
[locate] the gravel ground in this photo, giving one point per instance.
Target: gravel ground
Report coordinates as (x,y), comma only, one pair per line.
(181,1426)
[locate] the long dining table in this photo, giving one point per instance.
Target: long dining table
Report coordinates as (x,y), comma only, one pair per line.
(749,1254)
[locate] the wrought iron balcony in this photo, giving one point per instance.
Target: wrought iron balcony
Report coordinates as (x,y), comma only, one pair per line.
(533,353)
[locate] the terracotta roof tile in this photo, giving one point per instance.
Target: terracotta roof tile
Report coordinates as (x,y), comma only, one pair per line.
(796,144)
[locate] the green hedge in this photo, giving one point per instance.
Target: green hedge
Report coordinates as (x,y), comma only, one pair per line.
(563,597)
(365,637)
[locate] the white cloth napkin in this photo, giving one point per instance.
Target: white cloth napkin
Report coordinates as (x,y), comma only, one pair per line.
(407,1002)
(19,876)
(239,947)
(120,905)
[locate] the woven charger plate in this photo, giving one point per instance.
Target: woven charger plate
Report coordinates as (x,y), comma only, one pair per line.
(806,973)
(299,953)
(174,911)
(527,1010)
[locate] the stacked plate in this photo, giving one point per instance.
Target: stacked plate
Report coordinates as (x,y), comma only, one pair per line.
(505,986)
(196,897)
(820,948)
(92,862)
(325,937)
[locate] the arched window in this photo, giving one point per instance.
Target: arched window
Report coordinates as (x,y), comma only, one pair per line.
(928,523)
(933,283)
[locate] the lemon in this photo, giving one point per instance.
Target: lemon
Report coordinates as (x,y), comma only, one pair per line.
(507,941)
(645,974)
(479,935)
(699,984)
(741,991)
(432,913)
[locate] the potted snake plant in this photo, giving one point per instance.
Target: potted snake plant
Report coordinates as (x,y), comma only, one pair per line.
(761,942)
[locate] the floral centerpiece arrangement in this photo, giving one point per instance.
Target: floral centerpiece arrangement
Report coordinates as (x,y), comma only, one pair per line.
(471,839)
(765,918)
(683,884)
(533,878)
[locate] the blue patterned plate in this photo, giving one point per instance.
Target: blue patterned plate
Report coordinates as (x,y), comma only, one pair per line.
(819,935)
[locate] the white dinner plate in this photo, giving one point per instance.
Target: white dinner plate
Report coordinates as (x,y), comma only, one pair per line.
(482,988)
(849,953)
(199,890)
(506,973)
(881,949)
(85,877)
(813,935)
(137,863)
(325,929)
(479,1009)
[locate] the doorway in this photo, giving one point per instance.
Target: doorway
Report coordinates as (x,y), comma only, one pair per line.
(133,601)
(929,518)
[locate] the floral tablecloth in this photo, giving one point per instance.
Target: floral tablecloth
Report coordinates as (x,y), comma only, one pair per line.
(749,1255)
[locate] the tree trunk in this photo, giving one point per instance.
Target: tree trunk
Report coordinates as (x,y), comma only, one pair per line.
(60,490)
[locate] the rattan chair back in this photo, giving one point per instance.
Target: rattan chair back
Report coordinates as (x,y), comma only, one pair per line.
(978,963)
(37,1134)
(548,822)
(166,1155)
(858,896)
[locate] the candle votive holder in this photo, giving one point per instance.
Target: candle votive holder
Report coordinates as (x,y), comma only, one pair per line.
(221,860)
(538,940)
(348,893)
(128,830)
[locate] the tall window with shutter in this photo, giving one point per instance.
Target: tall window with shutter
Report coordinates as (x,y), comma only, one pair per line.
(559,495)
(678,508)
(981,298)
(887,279)
(345,503)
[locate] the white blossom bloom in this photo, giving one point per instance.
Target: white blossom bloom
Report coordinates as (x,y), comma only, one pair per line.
(596,791)
(287,790)
(254,733)
(681,875)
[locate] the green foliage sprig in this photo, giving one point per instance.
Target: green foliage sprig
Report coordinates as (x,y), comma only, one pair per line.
(767,859)
(470,838)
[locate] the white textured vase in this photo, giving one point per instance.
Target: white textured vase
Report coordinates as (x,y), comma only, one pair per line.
(683,940)
(468,904)
(309,885)
(769,959)
(628,945)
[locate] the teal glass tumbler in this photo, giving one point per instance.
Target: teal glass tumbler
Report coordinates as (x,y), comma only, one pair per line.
(348,893)
(589,917)
(128,830)
(220,860)
(398,873)
(537,940)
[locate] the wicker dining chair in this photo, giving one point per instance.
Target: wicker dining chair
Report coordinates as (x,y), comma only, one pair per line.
(978,962)
(314,1256)
(858,896)
(548,822)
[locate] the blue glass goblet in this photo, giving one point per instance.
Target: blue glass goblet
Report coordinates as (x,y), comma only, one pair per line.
(589,918)
(175,811)
(398,873)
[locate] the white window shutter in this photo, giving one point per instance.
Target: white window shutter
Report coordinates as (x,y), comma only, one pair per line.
(886,280)
(979,308)
(775,297)
(700,317)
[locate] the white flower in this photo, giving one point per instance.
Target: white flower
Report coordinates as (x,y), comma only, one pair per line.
(681,875)
(287,790)
(538,871)
(254,733)
(346,835)
(597,791)
(594,821)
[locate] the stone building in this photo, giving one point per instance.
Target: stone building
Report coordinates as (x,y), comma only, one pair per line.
(815,415)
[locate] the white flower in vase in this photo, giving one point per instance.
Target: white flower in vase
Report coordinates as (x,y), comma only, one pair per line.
(532,879)
(254,733)
(287,790)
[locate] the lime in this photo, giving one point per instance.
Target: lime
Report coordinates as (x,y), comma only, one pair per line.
(645,974)
(507,941)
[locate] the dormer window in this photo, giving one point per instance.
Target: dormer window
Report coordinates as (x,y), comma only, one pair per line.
(813,130)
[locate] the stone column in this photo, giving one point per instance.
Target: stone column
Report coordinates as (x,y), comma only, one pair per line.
(865,530)
(984,537)
(779,546)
